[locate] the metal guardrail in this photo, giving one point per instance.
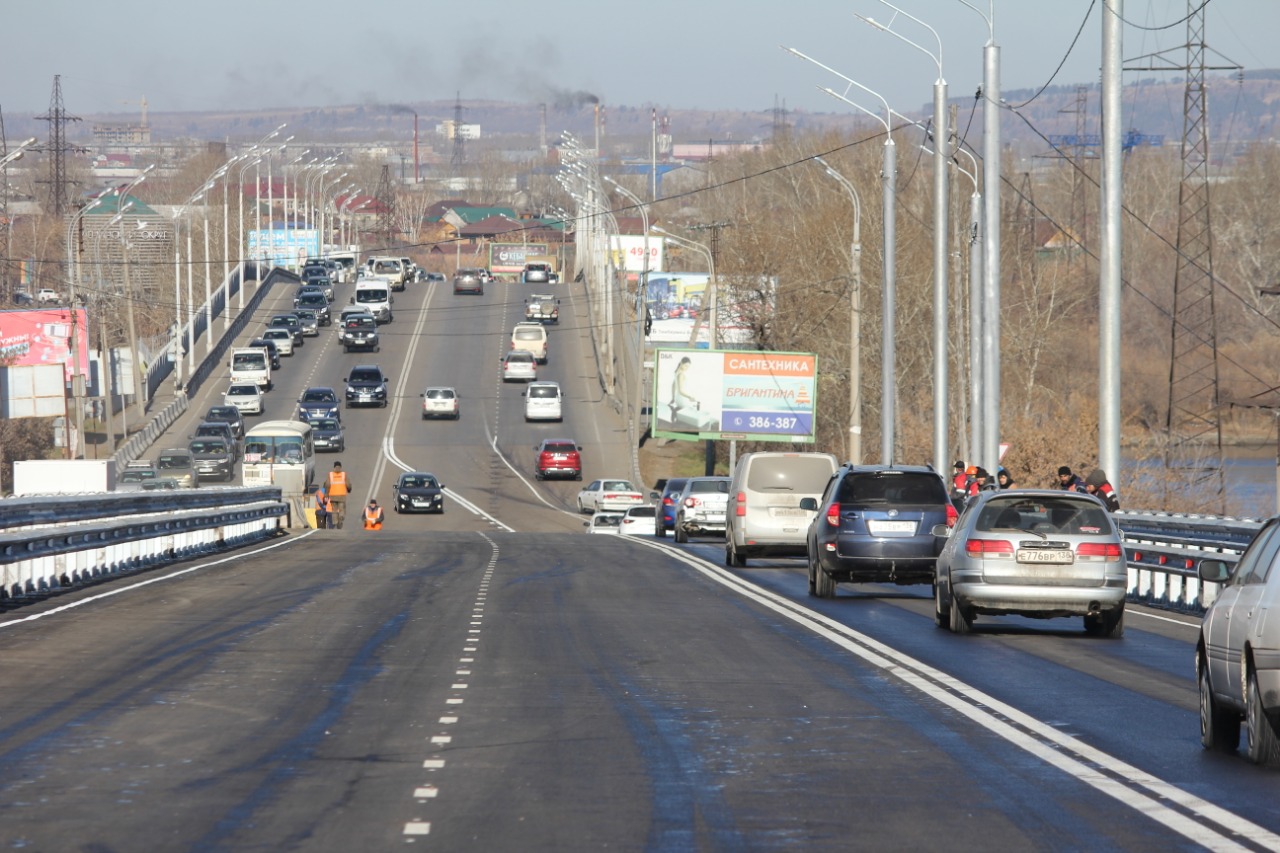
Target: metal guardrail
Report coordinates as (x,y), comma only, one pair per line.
(38,558)
(1164,552)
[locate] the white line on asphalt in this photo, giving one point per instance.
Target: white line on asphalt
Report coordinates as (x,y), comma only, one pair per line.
(1127,784)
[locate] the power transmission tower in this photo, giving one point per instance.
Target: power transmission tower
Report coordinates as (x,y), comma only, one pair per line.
(386,226)
(1193,420)
(459,144)
(57,147)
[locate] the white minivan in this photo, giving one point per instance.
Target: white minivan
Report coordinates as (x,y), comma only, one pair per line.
(543,401)
(374,296)
(764,518)
(531,337)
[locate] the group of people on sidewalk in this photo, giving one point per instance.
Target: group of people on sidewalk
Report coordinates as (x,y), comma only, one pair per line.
(331,503)
(971,479)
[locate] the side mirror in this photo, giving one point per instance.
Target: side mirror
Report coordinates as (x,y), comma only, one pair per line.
(395,487)
(810,504)
(352,300)
(653,496)
(423,395)
(345,379)
(524,393)
(1214,571)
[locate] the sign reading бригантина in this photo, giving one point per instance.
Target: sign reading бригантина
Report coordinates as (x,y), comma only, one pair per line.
(716,394)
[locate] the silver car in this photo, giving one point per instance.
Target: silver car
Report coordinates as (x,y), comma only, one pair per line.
(1238,655)
(1032,552)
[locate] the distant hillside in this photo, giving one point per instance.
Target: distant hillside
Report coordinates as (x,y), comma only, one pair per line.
(1241,111)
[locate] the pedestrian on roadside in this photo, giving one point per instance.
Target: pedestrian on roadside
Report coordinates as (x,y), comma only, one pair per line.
(1096,484)
(959,481)
(337,487)
(1005,479)
(1069,482)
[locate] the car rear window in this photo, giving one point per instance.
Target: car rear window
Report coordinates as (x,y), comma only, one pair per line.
(617,486)
(642,512)
(530,334)
(520,355)
(170,461)
(544,391)
(366,376)
(440,394)
(1052,515)
(893,488)
(801,474)
(710,486)
(559,447)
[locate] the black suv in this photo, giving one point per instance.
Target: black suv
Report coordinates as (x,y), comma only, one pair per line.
(316,301)
(359,331)
(875,525)
(366,386)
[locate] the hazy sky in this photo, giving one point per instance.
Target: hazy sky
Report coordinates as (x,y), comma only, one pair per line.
(705,54)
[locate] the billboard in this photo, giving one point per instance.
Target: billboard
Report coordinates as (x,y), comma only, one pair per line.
(33,391)
(284,247)
(722,394)
(678,304)
(510,257)
(34,336)
(627,252)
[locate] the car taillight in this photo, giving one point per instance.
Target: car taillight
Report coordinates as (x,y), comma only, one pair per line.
(982,547)
(690,502)
(668,501)
(741,509)
(1107,550)
(833,515)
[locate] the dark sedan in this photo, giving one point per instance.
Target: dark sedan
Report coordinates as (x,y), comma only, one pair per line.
(228,415)
(327,435)
(419,492)
(319,403)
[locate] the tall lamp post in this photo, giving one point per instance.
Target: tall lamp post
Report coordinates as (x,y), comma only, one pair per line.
(888,177)
(990,380)
(642,291)
(73,276)
(855,317)
(942,144)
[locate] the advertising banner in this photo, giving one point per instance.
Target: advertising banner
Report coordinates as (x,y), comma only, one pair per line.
(511,257)
(284,247)
(43,336)
(627,251)
(679,309)
(722,394)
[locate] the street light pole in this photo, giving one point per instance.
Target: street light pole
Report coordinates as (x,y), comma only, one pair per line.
(942,144)
(888,177)
(855,318)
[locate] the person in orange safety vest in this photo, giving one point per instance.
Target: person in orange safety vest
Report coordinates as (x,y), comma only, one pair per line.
(337,487)
(373,516)
(322,509)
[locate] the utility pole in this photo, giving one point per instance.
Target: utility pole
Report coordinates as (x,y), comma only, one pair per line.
(57,147)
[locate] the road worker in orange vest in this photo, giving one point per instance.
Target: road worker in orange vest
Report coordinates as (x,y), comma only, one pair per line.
(337,487)
(373,516)
(322,509)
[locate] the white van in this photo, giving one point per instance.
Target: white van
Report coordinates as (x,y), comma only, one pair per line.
(531,337)
(374,296)
(543,401)
(764,518)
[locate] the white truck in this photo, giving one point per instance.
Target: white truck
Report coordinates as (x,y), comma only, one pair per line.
(63,476)
(251,364)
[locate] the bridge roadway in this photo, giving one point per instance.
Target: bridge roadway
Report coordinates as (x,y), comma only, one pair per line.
(467,682)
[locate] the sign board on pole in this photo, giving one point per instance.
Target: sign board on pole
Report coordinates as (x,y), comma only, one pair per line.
(511,257)
(734,394)
(627,251)
(33,336)
(284,247)
(32,391)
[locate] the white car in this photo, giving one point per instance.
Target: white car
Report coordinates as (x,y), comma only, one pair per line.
(609,495)
(604,522)
(440,402)
(281,337)
(519,366)
(245,396)
(640,521)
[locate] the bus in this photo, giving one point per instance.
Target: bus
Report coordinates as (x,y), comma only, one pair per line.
(280,453)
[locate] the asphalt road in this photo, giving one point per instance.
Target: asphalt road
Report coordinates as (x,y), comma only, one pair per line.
(494,679)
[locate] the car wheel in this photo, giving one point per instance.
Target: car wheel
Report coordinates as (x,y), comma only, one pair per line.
(578,476)
(345,349)
(384,404)
(660,529)
(813,569)
(680,535)
(539,475)
(959,620)
(1219,727)
(1263,747)
(731,556)
(941,612)
(824,586)
(581,509)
